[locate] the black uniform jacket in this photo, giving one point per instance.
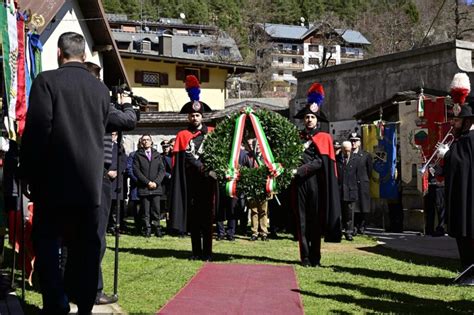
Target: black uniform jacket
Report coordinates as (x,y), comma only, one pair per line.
(183,167)
(459,186)
(62,146)
(326,177)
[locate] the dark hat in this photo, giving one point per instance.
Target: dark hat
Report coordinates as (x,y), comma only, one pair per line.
(354,136)
(461,111)
(195,105)
(165,143)
(466,277)
(314,100)
(336,144)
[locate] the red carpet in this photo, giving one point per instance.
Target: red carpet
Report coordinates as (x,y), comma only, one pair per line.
(238,289)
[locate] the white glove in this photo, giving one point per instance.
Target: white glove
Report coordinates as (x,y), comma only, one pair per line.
(442,150)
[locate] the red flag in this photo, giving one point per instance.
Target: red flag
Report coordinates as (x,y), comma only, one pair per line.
(21,83)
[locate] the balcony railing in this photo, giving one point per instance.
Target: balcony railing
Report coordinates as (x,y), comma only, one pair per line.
(283,51)
(288,65)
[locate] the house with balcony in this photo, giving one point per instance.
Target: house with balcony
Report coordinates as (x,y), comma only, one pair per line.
(158,55)
(297,48)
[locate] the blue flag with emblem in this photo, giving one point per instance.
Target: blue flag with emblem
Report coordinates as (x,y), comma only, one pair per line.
(386,166)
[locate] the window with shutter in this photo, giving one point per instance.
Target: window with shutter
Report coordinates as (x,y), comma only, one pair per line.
(204,75)
(138,76)
(147,78)
(151,78)
(180,74)
(163,78)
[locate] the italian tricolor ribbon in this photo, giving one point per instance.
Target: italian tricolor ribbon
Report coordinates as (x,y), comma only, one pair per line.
(233,173)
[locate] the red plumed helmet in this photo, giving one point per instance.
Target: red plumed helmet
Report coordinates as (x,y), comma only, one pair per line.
(191,81)
(460,88)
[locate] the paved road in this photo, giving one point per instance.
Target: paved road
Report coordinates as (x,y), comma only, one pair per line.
(414,242)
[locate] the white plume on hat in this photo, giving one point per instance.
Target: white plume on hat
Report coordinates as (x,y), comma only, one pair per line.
(460,88)
(461,80)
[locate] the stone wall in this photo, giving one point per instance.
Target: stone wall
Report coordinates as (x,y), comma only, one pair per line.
(355,86)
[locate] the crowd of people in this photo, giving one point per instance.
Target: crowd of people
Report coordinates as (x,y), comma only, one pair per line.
(77,172)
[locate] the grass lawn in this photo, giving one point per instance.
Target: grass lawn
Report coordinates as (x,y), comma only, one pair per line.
(356,277)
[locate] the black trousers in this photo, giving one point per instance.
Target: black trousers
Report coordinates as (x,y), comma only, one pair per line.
(200,216)
(103,222)
(348,216)
(150,211)
(233,207)
(434,205)
(78,230)
(466,251)
(308,222)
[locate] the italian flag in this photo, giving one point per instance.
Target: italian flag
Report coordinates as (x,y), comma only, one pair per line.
(421,105)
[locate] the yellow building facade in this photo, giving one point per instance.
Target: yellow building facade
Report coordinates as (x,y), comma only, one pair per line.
(161,82)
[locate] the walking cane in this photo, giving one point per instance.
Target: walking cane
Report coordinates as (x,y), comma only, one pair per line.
(13,250)
(117,215)
(22,246)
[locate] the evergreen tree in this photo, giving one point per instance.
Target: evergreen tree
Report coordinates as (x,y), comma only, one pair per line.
(112,6)
(197,12)
(286,12)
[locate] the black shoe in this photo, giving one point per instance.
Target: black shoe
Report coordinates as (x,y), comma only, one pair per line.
(102,298)
(348,237)
(230,238)
(194,257)
(253,238)
(158,233)
(354,233)
(305,262)
(219,238)
(316,264)
(264,238)
(437,233)
(147,233)
(206,258)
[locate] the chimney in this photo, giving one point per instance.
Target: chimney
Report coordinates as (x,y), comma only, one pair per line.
(164,44)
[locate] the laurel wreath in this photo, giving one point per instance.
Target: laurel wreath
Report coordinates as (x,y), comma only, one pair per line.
(284,141)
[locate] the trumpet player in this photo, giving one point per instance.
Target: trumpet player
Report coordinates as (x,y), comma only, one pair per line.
(459,183)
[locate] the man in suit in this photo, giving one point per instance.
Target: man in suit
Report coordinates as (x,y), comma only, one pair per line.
(149,169)
(62,160)
(363,182)
(347,167)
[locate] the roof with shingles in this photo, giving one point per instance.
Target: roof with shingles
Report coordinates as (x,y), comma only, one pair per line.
(296,32)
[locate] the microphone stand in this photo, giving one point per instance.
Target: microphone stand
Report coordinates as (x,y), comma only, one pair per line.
(118,191)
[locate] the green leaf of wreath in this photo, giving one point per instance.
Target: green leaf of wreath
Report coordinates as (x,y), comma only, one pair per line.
(283,138)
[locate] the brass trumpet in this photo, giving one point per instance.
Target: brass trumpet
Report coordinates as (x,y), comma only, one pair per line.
(431,162)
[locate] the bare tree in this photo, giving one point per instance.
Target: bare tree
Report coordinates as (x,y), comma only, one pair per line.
(325,35)
(258,41)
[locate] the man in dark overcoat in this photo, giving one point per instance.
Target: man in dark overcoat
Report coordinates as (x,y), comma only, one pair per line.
(318,209)
(61,159)
(364,174)
(149,169)
(347,167)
